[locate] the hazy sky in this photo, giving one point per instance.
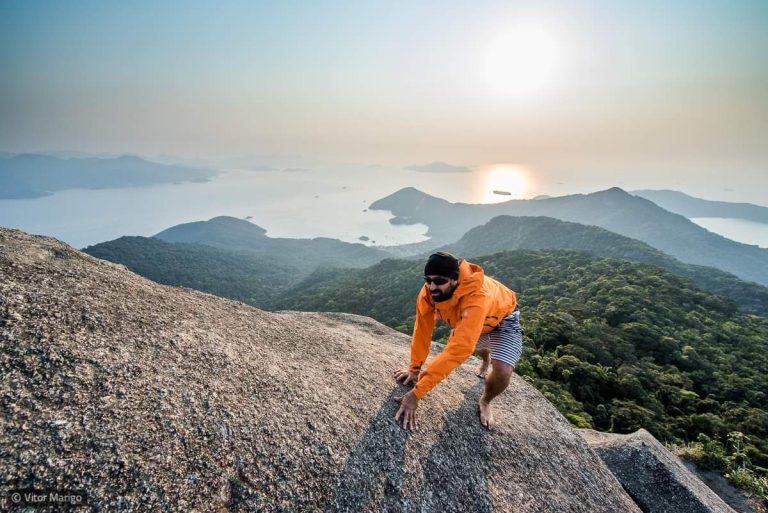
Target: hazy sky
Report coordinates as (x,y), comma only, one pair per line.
(635,93)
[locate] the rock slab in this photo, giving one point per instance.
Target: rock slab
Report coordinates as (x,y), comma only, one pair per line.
(655,478)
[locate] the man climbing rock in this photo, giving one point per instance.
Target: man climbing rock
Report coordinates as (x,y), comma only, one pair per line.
(484,318)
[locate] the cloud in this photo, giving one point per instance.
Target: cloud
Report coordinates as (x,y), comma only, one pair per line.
(294,170)
(438,167)
(263,168)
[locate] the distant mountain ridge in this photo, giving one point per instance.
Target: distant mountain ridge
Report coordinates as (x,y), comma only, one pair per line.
(612,209)
(236,234)
(504,233)
(221,231)
(234,258)
(34,176)
(689,206)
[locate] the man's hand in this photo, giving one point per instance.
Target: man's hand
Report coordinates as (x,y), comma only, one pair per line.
(406,376)
(408,405)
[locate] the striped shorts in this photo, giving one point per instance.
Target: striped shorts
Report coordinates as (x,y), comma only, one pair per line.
(505,342)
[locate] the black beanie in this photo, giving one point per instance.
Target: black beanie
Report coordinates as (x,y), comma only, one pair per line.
(442,264)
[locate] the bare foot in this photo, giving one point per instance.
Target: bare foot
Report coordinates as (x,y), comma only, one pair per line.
(486,414)
(482,370)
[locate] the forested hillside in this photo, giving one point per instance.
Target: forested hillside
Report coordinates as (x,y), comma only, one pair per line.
(238,275)
(232,258)
(231,233)
(504,233)
(614,345)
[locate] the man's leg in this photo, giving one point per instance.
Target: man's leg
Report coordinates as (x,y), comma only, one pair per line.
(495,383)
(506,347)
(482,370)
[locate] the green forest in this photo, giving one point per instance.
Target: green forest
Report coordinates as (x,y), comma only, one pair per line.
(239,275)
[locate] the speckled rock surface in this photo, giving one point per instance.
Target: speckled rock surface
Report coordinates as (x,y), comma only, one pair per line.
(655,478)
(154,398)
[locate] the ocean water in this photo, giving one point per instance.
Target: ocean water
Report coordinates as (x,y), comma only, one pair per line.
(315,200)
(296,204)
(740,230)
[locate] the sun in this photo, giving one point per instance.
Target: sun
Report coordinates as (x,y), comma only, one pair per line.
(504,182)
(522,61)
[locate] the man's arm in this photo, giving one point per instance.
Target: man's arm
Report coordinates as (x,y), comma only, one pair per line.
(422,338)
(459,347)
(422,332)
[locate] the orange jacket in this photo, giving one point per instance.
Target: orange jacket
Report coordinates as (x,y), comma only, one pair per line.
(477,306)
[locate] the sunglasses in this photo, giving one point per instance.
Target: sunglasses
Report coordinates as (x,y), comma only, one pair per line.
(440,280)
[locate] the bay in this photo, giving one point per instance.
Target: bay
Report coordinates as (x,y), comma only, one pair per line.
(296,204)
(740,230)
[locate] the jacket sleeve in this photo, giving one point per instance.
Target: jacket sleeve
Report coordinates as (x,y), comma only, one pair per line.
(460,346)
(422,332)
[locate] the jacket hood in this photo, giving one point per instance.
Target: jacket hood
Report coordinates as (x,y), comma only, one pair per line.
(470,280)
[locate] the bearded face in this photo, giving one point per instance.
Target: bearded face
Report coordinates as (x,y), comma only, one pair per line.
(441,291)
